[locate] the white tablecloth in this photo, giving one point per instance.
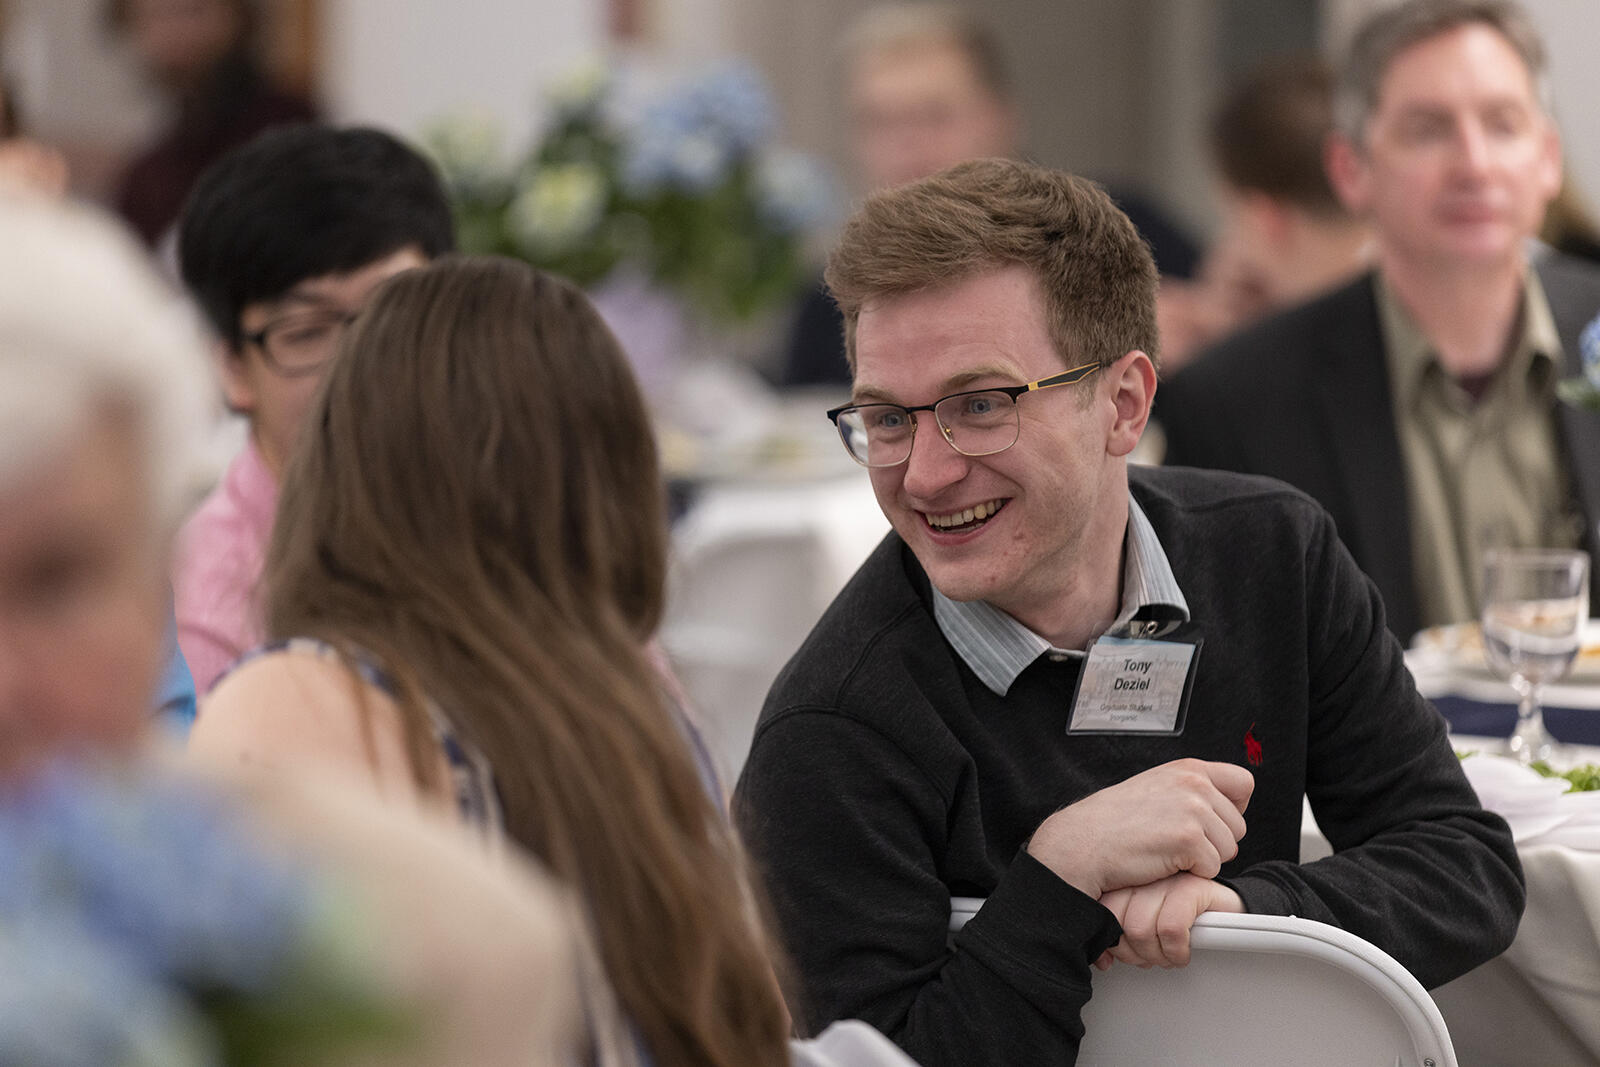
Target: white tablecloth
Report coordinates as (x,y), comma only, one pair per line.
(1538,1003)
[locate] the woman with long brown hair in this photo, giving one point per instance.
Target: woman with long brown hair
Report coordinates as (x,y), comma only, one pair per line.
(467,565)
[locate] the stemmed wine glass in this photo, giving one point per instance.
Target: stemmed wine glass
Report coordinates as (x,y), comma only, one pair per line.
(1535,604)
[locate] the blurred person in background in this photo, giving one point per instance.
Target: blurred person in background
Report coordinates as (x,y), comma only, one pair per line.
(928,86)
(102,400)
(1285,236)
(103,405)
(201,54)
(26,164)
(281,243)
(467,567)
(1417,404)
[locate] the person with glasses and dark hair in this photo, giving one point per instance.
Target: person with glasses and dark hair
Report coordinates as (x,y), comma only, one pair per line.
(281,243)
(1091,693)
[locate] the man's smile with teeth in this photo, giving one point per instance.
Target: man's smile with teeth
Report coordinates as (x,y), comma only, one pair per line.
(979,513)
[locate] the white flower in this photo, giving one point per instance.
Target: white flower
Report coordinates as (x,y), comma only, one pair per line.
(468,149)
(561,204)
(580,88)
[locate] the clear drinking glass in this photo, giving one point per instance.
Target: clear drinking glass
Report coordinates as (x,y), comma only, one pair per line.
(1535,604)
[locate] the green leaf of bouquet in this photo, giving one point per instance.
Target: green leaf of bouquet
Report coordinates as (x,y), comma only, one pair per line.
(1580,393)
(305,1023)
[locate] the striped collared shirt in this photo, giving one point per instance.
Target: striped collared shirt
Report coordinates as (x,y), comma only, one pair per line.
(998,648)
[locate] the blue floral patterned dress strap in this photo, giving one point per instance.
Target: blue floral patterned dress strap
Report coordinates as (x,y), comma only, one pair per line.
(472,778)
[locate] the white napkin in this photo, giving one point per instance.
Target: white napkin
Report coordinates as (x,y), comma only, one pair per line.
(1539,810)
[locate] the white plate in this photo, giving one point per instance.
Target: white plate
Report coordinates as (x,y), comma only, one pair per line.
(1461,645)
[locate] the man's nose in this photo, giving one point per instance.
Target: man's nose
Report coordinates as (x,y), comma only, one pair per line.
(1474,152)
(934,463)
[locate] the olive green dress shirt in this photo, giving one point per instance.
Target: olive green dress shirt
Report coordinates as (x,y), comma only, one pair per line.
(1480,473)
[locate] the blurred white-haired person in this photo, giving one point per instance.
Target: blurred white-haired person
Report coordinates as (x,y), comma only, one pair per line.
(104,395)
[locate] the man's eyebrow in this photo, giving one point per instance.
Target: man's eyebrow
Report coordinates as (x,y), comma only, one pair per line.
(871,394)
(958,382)
(867,394)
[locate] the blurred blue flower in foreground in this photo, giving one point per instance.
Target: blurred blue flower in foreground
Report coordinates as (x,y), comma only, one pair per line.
(682,186)
(145,924)
(67,1000)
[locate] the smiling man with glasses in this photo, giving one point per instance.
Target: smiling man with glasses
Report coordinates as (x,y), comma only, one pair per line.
(281,243)
(1093,695)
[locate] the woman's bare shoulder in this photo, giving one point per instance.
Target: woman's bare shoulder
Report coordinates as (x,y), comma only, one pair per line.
(296,707)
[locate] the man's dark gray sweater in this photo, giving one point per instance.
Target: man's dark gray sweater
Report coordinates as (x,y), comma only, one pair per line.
(884,778)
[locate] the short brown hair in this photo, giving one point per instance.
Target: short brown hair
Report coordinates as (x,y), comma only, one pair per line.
(1268,134)
(1096,272)
(1393,30)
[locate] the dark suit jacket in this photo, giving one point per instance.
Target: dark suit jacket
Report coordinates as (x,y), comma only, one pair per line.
(1304,396)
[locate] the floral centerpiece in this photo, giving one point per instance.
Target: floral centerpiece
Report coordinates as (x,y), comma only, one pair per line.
(141,924)
(682,186)
(1584,392)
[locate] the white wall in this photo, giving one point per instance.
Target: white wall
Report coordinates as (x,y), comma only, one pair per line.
(403,65)
(1572,31)
(72,79)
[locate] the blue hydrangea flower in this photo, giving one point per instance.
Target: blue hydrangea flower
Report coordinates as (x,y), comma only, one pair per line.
(1589,351)
(672,149)
(732,98)
(67,1000)
(166,876)
(689,138)
(797,193)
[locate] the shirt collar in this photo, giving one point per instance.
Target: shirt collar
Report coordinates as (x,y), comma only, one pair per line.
(1534,358)
(998,648)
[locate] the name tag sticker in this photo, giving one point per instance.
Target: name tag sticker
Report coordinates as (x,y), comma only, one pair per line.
(1133,685)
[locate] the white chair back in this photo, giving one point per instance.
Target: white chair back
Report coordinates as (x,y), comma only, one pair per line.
(1262,989)
(753,569)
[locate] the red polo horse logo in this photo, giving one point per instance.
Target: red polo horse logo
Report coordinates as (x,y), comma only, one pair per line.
(1252,747)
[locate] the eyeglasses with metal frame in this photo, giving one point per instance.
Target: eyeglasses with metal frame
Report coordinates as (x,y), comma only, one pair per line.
(978,422)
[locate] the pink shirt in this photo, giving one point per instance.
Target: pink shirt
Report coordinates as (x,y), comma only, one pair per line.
(220,551)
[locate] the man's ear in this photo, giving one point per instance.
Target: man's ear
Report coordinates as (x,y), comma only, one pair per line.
(1551,170)
(1346,165)
(1133,389)
(238,389)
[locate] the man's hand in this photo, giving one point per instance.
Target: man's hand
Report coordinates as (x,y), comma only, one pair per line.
(1187,815)
(1156,918)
